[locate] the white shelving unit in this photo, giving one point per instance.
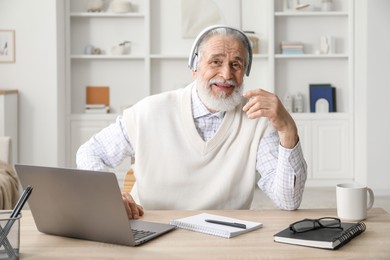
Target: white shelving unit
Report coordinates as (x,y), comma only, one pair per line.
(327,139)
(157,62)
(127,75)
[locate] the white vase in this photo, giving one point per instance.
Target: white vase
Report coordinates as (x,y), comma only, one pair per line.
(324,47)
(121,6)
(327,6)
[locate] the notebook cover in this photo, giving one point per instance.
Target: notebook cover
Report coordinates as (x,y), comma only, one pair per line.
(327,238)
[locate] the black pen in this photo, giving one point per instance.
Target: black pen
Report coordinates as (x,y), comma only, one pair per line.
(230,224)
(22,200)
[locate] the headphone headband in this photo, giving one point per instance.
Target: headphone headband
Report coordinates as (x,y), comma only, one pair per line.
(193,58)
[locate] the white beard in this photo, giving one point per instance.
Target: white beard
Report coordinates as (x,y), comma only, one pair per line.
(220,102)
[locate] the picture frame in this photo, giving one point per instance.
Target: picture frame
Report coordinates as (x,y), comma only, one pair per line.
(7,46)
(199,14)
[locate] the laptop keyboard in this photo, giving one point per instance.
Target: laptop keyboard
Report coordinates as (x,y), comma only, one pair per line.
(139,234)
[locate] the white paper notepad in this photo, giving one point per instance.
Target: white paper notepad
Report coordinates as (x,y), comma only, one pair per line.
(198,223)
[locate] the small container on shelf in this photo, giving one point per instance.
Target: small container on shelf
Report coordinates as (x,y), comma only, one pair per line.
(327,5)
(121,6)
(298,103)
(121,49)
(254,40)
(288,103)
(95,6)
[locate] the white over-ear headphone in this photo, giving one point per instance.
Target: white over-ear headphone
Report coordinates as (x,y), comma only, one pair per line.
(193,58)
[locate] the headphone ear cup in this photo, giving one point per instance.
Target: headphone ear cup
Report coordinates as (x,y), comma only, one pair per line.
(195,62)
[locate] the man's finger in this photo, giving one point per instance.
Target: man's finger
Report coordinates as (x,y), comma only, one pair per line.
(252,93)
(132,208)
(140,210)
(127,207)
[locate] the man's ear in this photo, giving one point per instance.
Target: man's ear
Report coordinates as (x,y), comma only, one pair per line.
(193,73)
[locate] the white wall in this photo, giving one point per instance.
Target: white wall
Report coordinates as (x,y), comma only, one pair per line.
(35,75)
(378,96)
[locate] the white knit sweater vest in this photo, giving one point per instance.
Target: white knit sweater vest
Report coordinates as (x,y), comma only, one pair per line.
(176,169)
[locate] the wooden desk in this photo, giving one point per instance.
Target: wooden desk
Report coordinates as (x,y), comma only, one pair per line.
(374,243)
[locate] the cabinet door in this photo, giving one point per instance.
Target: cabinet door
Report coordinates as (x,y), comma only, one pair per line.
(331,149)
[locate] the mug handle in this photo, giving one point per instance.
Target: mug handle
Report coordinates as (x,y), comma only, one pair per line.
(371,198)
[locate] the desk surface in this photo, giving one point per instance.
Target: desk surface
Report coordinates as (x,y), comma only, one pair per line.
(181,244)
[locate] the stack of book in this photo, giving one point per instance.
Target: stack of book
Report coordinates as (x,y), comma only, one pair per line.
(288,47)
(97,109)
(97,100)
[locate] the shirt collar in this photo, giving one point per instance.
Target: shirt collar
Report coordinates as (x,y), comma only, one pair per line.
(199,109)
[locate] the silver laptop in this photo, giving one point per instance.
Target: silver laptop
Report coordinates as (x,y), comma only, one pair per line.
(83,204)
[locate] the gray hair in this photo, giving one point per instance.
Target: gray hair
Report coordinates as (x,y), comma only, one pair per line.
(230,32)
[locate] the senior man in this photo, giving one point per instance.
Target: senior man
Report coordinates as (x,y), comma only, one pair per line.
(207,145)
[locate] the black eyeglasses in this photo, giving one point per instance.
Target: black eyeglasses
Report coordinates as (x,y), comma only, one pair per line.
(312,224)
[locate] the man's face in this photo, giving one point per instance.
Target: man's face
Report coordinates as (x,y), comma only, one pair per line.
(221,71)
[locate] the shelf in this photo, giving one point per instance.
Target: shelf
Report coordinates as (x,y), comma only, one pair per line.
(319,13)
(311,56)
(108,15)
(260,56)
(169,56)
(107,57)
(94,117)
(185,56)
(320,116)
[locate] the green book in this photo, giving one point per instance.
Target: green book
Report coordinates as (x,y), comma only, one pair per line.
(326,238)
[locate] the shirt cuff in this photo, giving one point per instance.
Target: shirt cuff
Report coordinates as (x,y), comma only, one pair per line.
(294,155)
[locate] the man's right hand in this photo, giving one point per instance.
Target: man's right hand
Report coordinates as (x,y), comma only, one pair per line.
(134,211)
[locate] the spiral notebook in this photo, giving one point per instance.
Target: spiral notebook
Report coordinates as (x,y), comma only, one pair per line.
(326,238)
(201,223)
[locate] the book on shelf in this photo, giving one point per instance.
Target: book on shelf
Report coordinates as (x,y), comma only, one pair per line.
(202,223)
(322,98)
(97,109)
(97,100)
(95,106)
(289,47)
(291,43)
(98,95)
(292,52)
(325,238)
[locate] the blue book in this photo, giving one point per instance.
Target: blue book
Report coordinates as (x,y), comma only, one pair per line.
(323,97)
(292,52)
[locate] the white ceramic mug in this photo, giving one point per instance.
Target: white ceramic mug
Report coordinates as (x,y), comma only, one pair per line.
(352,201)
